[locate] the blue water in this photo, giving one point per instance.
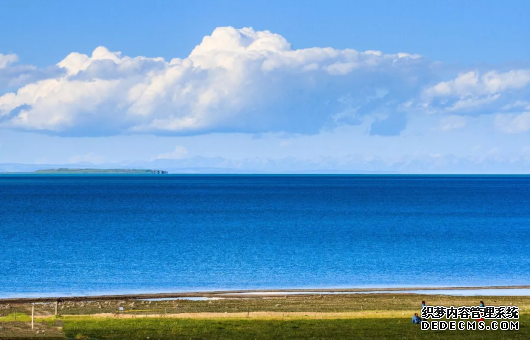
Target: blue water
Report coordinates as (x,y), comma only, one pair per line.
(68,235)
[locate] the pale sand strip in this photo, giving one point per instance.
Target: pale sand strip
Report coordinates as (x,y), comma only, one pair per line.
(243,293)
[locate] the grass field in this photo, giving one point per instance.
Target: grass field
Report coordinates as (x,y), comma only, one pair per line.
(366,328)
(367,316)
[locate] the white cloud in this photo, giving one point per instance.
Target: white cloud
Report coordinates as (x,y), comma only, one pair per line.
(471,91)
(179,152)
(513,123)
(242,80)
(6,59)
(471,84)
(234,80)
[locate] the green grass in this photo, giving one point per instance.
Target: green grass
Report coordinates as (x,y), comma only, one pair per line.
(22,317)
(166,328)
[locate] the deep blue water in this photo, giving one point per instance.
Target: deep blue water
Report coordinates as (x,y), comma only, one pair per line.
(64,235)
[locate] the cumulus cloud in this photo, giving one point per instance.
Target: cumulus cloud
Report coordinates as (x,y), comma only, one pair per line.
(243,80)
(234,80)
(513,123)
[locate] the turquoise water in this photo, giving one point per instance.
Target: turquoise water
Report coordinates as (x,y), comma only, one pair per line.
(71,235)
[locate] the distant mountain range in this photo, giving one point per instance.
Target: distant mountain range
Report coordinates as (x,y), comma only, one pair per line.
(448,164)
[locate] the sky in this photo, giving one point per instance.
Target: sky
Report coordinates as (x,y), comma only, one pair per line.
(267,86)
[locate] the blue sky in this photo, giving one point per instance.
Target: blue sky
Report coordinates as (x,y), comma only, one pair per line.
(271,86)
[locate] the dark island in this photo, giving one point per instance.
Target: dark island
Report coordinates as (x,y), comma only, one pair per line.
(100,171)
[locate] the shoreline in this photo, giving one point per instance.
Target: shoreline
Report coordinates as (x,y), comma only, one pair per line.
(250,293)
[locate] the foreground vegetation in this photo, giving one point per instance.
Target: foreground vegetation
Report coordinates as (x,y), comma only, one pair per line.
(366,328)
(368,316)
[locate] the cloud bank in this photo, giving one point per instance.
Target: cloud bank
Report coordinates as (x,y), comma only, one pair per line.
(234,80)
(242,80)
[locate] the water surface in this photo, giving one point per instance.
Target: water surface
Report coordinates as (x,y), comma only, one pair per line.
(71,235)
